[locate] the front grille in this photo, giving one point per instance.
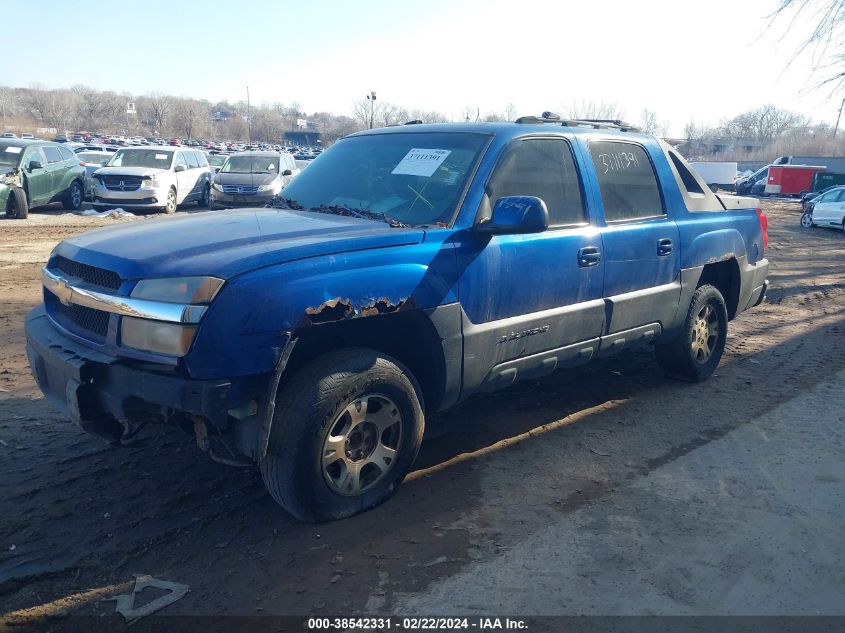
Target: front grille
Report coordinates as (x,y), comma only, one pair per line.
(89,274)
(122,183)
(240,190)
(88,319)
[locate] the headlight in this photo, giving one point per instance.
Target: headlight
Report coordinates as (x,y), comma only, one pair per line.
(150,183)
(193,290)
(274,187)
(216,187)
(156,336)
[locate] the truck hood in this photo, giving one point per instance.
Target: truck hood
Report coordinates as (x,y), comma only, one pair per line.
(227,243)
(128,171)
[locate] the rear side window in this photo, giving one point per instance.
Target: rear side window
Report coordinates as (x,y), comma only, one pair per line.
(201,159)
(66,153)
(545,168)
(690,183)
(627,181)
(832,196)
(193,160)
(52,154)
(180,160)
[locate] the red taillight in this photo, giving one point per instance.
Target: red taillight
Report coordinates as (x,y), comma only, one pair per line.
(764,227)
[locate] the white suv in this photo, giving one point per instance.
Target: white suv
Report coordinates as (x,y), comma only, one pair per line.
(153,178)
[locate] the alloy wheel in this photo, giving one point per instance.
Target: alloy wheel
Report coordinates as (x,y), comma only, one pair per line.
(705,334)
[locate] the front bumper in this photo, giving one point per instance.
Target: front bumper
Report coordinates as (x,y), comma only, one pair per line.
(251,200)
(139,198)
(105,395)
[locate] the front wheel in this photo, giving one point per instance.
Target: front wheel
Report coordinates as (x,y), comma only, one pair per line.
(170,204)
(346,431)
(807,220)
(696,352)
(73,197)
(17,206)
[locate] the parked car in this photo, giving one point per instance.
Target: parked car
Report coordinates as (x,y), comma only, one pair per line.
(175,142)
(808,198)
(159,178)
(36,173)
(60,138)
(391,282)
(27,135)
(251,179)
(828,210)
(216,161)
(744,185)
(9,135)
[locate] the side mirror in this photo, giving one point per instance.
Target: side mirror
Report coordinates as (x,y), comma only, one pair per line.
(287,172)
(34,164)
(180,168)
(515,215)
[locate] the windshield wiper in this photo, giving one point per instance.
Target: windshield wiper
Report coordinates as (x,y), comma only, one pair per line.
(284,203)
(364,214)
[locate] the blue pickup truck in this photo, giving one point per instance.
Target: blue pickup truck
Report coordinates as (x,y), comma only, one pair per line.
(404,270)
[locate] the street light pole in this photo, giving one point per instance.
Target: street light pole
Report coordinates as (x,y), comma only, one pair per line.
(372,99)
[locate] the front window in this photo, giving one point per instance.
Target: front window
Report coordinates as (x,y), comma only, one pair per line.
(156,159)
(9,156)
(413,178)
(251,165)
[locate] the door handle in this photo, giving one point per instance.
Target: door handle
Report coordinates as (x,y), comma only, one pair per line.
(589,256)
(664,247)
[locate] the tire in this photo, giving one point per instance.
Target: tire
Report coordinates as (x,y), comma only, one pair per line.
(205,201)
(74,197)
(695,353)
(170,205)
(16,206)
(334,397)
(807,220)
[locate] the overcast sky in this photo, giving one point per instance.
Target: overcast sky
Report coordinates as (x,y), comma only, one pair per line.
(686,60)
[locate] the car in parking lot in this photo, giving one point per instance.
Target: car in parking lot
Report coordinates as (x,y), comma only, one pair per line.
(92,160)
(404,271)
(35,173)
(828,210)
(252,178)
(216,161)
(159,178)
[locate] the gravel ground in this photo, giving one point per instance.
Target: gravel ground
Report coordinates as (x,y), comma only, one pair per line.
(606,490)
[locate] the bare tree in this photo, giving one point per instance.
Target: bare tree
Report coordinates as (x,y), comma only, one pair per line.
(189,115)
(825,41)
(651,124)
(764,124)
(156,109)
(595,110)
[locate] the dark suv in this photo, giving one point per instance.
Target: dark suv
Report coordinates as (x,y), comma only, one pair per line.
(35,173)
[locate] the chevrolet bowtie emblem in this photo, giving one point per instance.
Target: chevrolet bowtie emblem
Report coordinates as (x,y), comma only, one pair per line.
(64,292)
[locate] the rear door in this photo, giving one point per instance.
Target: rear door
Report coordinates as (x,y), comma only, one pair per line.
(55,168)
(641,244)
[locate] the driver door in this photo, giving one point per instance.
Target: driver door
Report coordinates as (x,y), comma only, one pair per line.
(532,302)
(826,208)
(36,181)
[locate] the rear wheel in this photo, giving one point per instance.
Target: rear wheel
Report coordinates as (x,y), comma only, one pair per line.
(73,197)
(696,352)
(346,431)
(17,206)
(170,204)
(807,220)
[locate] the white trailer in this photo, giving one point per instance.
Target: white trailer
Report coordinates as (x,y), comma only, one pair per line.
(717,174)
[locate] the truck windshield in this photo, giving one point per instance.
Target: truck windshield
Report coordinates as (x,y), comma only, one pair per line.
(410,178)
(10,155)
(155,158)
(251,165)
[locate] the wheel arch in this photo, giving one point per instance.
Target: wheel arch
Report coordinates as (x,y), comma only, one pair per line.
(725,276)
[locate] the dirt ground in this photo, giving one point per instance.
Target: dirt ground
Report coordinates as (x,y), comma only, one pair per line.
(78,518)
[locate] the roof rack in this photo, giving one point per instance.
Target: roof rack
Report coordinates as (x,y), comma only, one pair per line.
(550,117)
(414,122)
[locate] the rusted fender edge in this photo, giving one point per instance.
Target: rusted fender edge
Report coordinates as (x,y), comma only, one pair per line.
(270,409)
(338,309)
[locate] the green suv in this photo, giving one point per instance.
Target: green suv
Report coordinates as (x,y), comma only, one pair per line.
(35,173)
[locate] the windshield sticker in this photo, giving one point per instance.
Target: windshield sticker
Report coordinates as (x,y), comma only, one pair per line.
(14,150)
(161,156)
(421,162)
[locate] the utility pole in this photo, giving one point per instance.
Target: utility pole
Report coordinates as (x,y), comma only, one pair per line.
(248,117)
(372,99)
(836,129)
